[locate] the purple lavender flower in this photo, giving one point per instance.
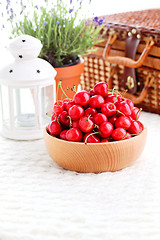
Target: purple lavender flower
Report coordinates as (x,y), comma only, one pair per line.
(100,21)
(36,7)
(70,10)
(70,1)
(95,19)
(45,23)
(57,22)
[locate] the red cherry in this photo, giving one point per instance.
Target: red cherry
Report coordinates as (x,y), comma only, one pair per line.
(112,119)
(130,103)
(111,97)
(134,128)
(54,128)
(54,116)
(140,125)
(128,135)
(99,118)
(75,112)
(118,134)
(101,88)
(124,108)
(91,93)
(136,112)
(109,109)
(105,129)
(81,98)
(123,122)
(63,134)
(74,135)
(69,104)
(64,118)
(86,124)
(65,102)
(90,112)
(75,123)
(90,138)
(104,140)
(96,101)
(58,107)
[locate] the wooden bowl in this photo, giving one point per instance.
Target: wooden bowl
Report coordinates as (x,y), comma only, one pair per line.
(95,157)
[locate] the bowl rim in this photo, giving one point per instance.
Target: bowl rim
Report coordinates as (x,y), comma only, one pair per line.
(92,144)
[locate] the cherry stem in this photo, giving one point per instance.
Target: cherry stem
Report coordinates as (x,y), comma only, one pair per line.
(70,121)
(58,122)
(89,136)
(124,136)
(57,92)
(65,92)
(90,115)
(49,115)
(137,113)
(60,81)
(120,112)
(74,88)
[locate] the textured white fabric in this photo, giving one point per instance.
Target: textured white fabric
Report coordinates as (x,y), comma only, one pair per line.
(41,201)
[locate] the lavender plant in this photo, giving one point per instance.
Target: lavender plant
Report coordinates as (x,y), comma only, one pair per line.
(63,30)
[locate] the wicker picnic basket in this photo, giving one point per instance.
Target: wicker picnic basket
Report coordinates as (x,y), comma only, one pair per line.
(129,58)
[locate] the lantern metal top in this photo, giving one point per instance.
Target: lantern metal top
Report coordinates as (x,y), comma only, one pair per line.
(27,69)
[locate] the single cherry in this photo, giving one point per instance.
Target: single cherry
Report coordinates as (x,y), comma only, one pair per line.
(123,122)
(69,104)
(58,107)
(109,109)
(105,129)
(54,128)
(64,118)
(101,88)
(90,138)
(130,103)
(112,97)
(86,124)
(90,112)
(134,128)
(74,135)
(81,98)
(75,112)
(124,108)
(96,101)
(118,134)
(63,134)
(136,112)
(112,119)
(99,118)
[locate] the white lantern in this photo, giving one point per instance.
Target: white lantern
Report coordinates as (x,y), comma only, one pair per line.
(25,84)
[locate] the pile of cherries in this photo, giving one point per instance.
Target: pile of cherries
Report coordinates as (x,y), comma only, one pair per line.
(100,115)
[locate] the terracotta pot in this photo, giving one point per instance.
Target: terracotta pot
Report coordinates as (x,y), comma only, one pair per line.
(70,76)
(95,157)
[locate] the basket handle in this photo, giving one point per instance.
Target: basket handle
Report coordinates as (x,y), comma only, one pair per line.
(127,62)
(132,97)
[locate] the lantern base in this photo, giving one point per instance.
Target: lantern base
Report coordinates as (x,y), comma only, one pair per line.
(22,134)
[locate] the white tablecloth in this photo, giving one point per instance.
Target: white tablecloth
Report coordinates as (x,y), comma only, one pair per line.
(41,201)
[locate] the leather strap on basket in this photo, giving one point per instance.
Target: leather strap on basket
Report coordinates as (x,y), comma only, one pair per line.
(129,75)
(125,61)
(135,99)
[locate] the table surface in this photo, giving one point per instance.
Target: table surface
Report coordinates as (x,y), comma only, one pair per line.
(41,201)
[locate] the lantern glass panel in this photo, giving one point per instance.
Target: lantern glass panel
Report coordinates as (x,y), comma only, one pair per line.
(24,107)
(5,105)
